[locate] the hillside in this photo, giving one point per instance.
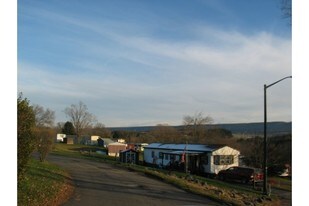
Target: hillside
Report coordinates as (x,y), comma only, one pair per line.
(273,128)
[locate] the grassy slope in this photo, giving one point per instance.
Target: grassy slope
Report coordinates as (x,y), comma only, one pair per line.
(44,184)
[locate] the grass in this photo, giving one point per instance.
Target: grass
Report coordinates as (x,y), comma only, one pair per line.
(44,184)
(75,150)
(230,194)
(283,183)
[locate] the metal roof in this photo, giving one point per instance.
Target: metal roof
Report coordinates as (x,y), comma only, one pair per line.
(180,152)
(181,147)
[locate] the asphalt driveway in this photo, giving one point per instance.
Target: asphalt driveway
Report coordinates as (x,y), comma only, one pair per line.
(104,184)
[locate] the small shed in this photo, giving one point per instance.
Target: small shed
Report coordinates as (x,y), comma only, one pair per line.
(129,156)
(115,148)
(68,140)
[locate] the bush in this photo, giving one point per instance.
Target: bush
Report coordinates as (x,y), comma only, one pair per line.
(45,142)
(26,140)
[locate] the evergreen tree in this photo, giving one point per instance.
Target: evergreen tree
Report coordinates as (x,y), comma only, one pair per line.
(68,128)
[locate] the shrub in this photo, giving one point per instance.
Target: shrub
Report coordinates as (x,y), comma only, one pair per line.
(26,140)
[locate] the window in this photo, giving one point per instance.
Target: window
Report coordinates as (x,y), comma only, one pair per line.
(166,156)
(223,159)
(152,154)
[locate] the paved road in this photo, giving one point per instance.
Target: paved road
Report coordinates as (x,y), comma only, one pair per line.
(104,184)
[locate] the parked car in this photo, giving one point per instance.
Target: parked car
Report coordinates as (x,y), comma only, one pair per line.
(242,174)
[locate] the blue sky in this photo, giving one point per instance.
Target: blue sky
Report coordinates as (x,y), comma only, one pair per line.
(136,62)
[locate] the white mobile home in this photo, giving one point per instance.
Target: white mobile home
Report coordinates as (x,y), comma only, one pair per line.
(60,137)
(196,158)
(94,139)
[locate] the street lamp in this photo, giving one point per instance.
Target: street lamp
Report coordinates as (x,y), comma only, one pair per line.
(265,192)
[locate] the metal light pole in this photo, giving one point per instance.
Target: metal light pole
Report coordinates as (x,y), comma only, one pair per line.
(265,191)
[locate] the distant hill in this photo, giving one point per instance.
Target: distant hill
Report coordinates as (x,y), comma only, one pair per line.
(273,128)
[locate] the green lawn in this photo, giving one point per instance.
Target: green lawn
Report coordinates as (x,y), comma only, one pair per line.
(44,184)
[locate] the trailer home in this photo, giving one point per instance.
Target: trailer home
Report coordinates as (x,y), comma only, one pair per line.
(115,148)
(196,158)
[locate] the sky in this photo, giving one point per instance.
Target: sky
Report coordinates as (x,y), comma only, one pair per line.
(143,63)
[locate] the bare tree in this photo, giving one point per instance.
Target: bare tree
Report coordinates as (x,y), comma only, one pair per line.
(46,138)
(100,130)
(80,117)
(44,121)
(195,125)
(286,8)
(43,118)
(165,133)
(59,127)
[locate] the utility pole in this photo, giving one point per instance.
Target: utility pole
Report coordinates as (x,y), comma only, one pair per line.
(265,189)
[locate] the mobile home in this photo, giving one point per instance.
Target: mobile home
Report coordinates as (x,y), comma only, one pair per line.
(196,158)
(115,148)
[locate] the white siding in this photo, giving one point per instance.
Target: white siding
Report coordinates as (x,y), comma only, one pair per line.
(161,161)
(210,167)
(224,151)
(94,138)
(60,137)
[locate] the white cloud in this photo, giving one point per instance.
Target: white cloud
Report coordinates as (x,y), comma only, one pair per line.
(130,79)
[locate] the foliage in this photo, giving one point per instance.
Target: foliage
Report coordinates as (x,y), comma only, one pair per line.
(286,8)
(165,134)
(44,184)
(252,150)
(45,141)
(129,136)
(279,150)
(218,132)
(68,128)
(25,134)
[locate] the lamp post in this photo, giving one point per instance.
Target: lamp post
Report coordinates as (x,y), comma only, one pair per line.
(265,192)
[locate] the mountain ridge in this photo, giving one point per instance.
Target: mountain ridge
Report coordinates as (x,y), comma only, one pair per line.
(253,128)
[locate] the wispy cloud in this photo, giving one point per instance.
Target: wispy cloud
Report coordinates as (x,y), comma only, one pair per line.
(127,75)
